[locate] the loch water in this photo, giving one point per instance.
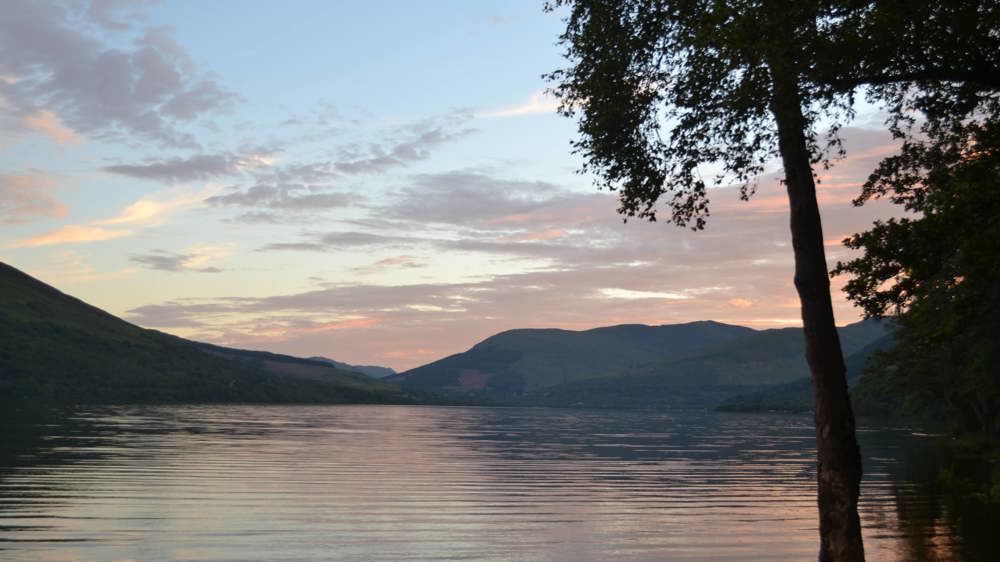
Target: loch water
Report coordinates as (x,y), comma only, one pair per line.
(273,483)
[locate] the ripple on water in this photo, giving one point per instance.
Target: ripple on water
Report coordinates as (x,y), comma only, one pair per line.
(401,482)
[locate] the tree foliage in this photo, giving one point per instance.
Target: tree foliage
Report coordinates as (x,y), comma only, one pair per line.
(937,272)
(675,96)
(935,66)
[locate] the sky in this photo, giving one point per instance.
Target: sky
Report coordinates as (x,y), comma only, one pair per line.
(377,182)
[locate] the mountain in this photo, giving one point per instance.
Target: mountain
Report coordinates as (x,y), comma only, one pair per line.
(372,371)
(711,376)
(523,361)
(699,364)
(58,348)
(796,396)
(763,357)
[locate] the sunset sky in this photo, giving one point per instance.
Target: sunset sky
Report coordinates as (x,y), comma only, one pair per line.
(380,183)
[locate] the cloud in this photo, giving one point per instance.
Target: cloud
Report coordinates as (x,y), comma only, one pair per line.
(382,157)
(48,123)
(26,197)
(395,262)
(741,303)
(628,294)
(476,212)
(71,234)
(550,234)
(281,193)
(464,198)
(179,170)
(284,197)
(194,259)
(155,208)
(100,74)
(149,211)
(67,267)
(443,317)
(116,14)
(333,241)
(539,102)
(545,256)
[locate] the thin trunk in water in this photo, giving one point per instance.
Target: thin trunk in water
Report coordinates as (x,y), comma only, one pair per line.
(839,458)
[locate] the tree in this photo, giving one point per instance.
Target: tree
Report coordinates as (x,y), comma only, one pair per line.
(936,273)
(661,89)
(936,270)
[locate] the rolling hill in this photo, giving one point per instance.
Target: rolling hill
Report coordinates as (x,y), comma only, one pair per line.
(57,348)
(755,372)
(523,361)
(699,364)
(796,396)
(373,371)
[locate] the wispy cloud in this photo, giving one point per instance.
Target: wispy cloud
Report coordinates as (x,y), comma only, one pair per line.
(381,157)
(539,102)
(66,267)
(568,261)
(155,208)
(194,259)
(179,170)
(26,197)
(149,211)
(49,124)
(628,294)
(395,262)
(198,167)
(71,234)
(113,80)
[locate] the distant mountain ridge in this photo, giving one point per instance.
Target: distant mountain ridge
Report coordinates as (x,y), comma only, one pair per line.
(58,348)
(697,364)
(796,396)
(524,360)
(373,371)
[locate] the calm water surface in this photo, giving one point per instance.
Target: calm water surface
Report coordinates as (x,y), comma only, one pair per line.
(401,482)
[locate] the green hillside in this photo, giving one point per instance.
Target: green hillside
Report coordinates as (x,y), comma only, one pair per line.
(58,348)
(764,357)
(523,361)
(699,364)
(712,376)
(373,371)
(796,396)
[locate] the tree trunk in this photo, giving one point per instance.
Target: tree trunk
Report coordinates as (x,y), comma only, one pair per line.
(839,458)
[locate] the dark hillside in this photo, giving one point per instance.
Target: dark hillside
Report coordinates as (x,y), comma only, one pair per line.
(519,361)
(59,348)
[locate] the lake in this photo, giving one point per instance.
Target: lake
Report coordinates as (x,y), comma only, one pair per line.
(419,482)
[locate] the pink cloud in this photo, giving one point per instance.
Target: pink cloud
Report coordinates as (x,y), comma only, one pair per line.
(741,303)
(550,234)
(49,124)
(352,324)
(71,234)
(26,197)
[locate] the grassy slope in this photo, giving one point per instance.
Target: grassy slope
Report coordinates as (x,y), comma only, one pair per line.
(58,348)
(528,360)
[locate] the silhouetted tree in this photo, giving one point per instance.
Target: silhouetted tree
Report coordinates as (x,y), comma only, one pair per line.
(936,270)
(664,91)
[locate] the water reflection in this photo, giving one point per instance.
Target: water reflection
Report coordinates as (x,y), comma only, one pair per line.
(400,482)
